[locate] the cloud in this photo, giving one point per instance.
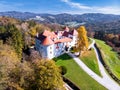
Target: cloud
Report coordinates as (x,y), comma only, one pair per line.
(76,5)
(108,10)
(92,9)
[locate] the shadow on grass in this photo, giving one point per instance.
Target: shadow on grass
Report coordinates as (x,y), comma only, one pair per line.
(62,57)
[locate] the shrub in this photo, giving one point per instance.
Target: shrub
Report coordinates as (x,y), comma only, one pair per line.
(63,70)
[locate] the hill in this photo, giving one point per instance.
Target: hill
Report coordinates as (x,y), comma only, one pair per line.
(93,21)
(62,18)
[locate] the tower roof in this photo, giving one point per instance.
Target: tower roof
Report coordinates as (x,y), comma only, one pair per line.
(66,39)
(65,33)
(47,41)
(48,33)
(74,32)
(66,29)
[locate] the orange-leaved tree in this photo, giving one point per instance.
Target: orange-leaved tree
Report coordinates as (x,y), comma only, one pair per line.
(82,42)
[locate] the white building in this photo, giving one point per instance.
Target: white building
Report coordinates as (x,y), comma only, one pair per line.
(52,44)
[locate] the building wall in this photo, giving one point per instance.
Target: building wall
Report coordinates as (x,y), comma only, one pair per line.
(47,51)
(50,51)
(54,50)
(37,44)
(74,41)
(58,49)
(43,51)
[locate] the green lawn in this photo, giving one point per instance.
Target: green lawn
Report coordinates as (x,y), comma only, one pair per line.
(77,75)
(89,58)
(110,57)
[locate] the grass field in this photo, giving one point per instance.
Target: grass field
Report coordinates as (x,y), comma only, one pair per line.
(89,58)
(110,57)
(77,75)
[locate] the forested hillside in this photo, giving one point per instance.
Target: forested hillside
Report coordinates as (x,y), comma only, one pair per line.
(20,67)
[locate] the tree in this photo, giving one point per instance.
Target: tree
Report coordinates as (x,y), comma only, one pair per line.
(82,42)
(47,76)
(15,39)
(2,29)
(14,75)
(109,37)
(32,23)
(37,75)
(33,31)
(34,55)
(100,35)
(22,77)
(8,61)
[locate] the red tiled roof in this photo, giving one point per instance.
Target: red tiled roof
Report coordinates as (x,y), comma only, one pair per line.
(66,29)
(74,32)
(48,33)
(65,34)
(47,37)
(60,33)
(41,37)
(53,35)
(66,39)
(47,41)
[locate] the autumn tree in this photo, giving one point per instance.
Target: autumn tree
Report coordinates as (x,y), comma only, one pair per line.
(38,28)
(8,61)
(31,23)
(14,75)
(82,42)
(47,76)
(109,37)
(100,35)
(37,75)
(22,77)
(33,31)
(34,55)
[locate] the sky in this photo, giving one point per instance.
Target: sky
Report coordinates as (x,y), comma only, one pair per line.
(62,6)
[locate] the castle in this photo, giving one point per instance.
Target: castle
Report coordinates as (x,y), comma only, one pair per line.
(52,44)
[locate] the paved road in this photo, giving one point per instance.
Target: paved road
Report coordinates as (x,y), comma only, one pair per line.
(105,80)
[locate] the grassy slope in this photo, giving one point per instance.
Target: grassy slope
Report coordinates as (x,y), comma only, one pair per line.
(77,75)
(89,58)
(110,57)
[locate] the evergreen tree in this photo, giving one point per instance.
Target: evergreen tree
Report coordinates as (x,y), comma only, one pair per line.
(2,29)
(15,39)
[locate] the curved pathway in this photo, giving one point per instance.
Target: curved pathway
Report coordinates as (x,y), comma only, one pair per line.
(105,80)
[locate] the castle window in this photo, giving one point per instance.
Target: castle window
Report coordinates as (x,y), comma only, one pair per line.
(50,52)
(57,47)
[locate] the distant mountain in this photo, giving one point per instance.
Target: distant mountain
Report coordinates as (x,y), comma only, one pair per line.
(93,21)
(62,18)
